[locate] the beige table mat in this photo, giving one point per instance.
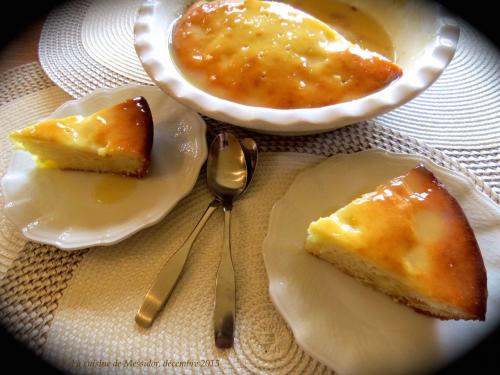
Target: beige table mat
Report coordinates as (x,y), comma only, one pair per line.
(77,308)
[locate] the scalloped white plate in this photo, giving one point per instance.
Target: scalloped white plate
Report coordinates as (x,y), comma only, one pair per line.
(424,38)
(344,324)
(74,210)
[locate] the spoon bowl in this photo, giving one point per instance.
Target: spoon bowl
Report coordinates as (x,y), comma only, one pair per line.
(251,152)
(226,168)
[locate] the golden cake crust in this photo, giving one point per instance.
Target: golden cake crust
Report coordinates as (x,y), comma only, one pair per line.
(237,58)
(120,134)
(140,140)
(413,228)
(458,273)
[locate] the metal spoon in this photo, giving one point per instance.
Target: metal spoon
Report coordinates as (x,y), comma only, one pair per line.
(226,177)
(251,156)
(170,273)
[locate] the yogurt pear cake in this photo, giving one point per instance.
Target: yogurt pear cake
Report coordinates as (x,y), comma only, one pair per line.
(270,54)
(411,240)
(117,140)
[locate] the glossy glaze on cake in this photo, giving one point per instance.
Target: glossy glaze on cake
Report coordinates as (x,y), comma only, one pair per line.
(270,54)
(410,239)
(117,139)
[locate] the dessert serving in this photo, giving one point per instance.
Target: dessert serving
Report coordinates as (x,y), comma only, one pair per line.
(116,139)
(270,54)
(410,240)
(77,210)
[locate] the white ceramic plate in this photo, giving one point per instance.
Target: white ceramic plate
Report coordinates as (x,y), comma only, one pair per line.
(74,210)
(424,39)
(344,324)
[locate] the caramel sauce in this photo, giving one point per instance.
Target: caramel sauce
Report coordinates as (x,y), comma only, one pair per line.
(353,23)
(272,54)
(113,188)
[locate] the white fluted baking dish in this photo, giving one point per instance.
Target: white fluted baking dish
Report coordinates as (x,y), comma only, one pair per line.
(424,38)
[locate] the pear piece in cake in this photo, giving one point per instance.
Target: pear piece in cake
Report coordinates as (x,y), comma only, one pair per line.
(117,140)
(411,240)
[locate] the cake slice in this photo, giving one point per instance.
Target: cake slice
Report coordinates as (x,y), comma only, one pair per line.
(410,240)
(117,140)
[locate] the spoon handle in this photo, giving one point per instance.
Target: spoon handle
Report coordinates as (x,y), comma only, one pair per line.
(169,274)
(225,291)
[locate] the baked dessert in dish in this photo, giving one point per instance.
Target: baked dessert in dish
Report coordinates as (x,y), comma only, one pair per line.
(409,239)
(117,140)
(269,54)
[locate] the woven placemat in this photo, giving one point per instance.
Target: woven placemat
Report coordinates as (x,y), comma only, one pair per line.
(76,309)
(63,55)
